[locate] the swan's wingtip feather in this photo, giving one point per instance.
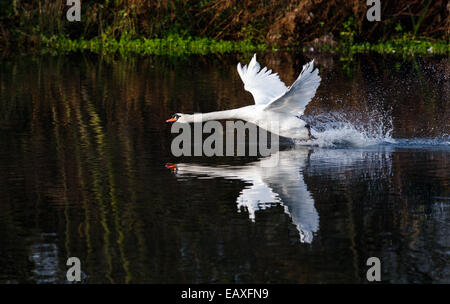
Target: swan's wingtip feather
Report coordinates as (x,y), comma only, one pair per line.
(263,85)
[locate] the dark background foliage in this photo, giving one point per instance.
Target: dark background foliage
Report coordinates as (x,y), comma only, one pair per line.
(283,23)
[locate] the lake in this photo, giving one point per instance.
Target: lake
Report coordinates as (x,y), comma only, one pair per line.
(84,148)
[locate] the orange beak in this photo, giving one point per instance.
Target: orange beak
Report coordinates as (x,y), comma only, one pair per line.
(173,119)
(172,167)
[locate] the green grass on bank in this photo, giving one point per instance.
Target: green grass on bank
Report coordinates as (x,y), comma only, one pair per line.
(403,46)
(176,45)
(173,45)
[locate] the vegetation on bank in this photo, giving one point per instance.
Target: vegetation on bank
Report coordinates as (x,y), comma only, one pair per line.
(404,47)
(219,26)
(176,45)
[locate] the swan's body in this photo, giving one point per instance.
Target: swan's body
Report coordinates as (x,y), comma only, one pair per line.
(277,108)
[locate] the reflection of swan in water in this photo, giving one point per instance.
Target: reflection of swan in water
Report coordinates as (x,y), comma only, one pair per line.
(272,182)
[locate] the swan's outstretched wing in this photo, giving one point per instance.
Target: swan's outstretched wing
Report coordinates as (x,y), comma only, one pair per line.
(262,83)
(297,97)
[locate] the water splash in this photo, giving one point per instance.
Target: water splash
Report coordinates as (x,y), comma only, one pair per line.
(336,129)
(372,128)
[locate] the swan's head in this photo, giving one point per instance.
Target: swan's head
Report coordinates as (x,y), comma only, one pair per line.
(175,117)
(180,118)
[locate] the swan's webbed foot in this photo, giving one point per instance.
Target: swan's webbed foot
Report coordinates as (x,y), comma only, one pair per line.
(309,132)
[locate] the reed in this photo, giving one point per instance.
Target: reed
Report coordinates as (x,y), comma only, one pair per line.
(29,24)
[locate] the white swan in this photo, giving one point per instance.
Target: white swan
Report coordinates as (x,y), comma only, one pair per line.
(282,184)
(274,102)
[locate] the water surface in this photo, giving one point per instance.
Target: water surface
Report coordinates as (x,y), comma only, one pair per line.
(83,153)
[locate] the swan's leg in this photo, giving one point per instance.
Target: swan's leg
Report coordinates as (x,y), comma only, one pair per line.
(307,126)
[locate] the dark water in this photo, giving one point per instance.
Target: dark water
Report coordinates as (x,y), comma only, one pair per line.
(83,153)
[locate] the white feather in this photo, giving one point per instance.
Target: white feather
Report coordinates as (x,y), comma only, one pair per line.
(297,97)
(262,84)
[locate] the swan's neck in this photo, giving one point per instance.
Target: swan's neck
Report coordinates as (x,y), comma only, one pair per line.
(218,115)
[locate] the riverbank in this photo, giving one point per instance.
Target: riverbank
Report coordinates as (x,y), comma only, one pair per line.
(216,26)
(177,45)
(174,45)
